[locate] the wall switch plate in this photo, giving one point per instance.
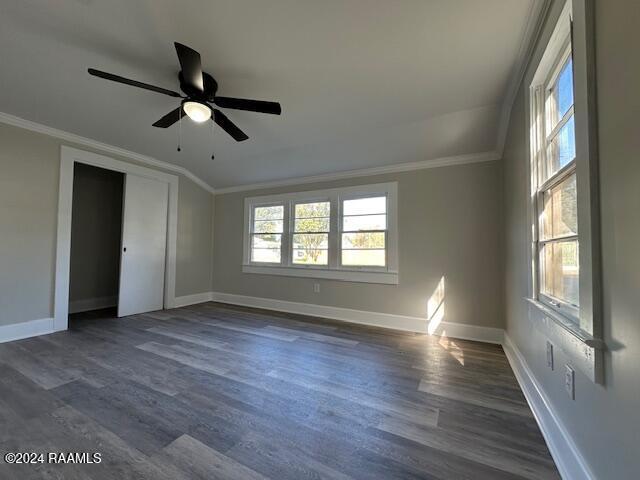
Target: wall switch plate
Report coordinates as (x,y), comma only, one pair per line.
(570,382)
(549,354)
(316,288)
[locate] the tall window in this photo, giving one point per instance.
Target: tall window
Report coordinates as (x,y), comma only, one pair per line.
(344,233)
(266,234)
(565,255)
(364,231)
(564,180)
(558,243)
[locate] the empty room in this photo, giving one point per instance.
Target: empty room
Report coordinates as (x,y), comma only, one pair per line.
(296,239)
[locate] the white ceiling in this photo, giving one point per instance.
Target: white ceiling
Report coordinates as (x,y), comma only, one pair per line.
(362,83)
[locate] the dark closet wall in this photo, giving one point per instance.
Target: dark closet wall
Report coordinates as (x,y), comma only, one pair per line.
(95,235)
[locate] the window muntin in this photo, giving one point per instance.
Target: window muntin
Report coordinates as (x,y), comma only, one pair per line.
(364,227)
(310,241)
(267,227)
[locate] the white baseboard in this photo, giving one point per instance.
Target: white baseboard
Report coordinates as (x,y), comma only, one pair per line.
(384,320)
(565,453)
(88,304)
(32,328)
(191,299)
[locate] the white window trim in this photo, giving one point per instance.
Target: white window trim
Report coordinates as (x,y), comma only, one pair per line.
(581,342)
(334,270)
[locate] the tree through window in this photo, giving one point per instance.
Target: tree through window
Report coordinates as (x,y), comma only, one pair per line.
(311,233)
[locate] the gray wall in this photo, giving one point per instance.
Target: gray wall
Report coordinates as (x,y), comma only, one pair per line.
(603,420)
(450,224)
(29,175)
(95,233)
(195,235)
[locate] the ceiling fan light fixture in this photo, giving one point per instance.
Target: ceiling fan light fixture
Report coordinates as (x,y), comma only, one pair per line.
(196,111)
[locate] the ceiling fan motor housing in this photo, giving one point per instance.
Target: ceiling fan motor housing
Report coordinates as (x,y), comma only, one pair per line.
(210,88)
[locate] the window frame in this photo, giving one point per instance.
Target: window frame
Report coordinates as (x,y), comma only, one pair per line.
(251,232)
(292,232)
(577,333)
(373,268)
(334,269)
(542,92)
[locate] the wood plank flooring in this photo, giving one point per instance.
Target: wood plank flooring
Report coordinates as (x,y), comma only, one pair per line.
(214,391)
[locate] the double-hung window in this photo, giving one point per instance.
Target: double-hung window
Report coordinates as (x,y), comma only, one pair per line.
(311,233)
(364,232)
(565,293)
(267,225)
(345,233)
(556,193)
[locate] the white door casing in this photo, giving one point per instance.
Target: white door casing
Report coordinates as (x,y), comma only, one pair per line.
(69,156)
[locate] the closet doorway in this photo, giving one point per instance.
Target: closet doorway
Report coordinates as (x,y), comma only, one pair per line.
(117,236)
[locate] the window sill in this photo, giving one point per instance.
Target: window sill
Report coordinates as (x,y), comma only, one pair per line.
(582,349)
(568,325)
(362,276)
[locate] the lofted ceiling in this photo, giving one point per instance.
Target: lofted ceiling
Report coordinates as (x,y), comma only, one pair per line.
(362,83)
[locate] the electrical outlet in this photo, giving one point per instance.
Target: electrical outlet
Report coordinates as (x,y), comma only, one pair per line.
(570,382)
(549,354)
(316,288)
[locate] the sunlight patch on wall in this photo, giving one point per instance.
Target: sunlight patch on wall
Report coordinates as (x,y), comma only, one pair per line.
(435,308)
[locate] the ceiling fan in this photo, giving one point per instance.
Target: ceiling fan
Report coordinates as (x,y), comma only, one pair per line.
(199,90)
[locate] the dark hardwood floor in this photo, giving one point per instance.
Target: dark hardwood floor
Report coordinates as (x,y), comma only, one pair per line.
(214,391)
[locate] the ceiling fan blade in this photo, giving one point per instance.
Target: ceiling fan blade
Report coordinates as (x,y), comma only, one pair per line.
(170,118)
(191,66)
(273,108)
(228,126)
(133,83)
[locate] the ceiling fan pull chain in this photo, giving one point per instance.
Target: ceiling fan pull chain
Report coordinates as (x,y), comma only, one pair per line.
(180,130)
(212,131)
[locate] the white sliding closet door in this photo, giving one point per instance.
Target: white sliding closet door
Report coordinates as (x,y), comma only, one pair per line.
(144,243)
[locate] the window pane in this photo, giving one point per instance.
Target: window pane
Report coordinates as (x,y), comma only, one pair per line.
(559,271)
(562,93)
(317,209)
(310,257)
(363,240)
(365,206)
(269,255)
(365,222)
(267,226)
(312,225)
(310,241)
(371,258)
(562,149)
(275,212)
(266,241)
(560,210)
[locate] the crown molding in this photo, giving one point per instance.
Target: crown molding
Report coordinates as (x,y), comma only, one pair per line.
(367,172)
(533,27)
(144,159)
(103,147)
